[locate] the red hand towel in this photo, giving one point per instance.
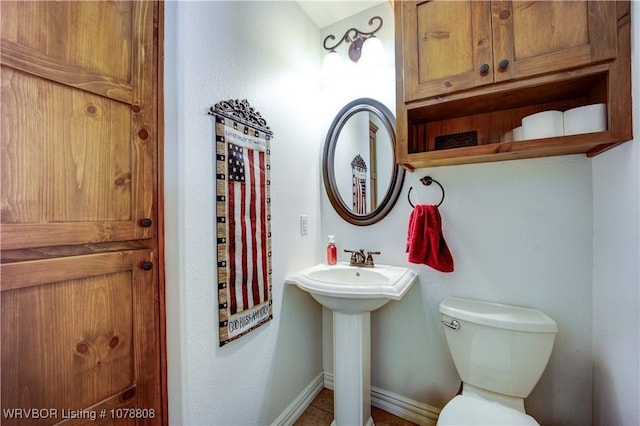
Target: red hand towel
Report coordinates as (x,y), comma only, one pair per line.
(425,242)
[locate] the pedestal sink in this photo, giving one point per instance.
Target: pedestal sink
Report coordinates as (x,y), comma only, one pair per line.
(352,292)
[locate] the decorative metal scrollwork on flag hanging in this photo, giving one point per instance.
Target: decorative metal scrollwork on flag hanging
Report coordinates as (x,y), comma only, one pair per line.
(242,112)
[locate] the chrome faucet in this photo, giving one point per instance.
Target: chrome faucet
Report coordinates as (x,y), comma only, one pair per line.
(358,258)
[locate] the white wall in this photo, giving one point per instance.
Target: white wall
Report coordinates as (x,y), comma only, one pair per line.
(521,232)
(616,273)
(268,53)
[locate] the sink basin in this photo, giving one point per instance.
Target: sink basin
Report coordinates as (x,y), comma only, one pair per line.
(354,289)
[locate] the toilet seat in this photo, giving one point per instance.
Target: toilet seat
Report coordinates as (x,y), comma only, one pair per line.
(471,410)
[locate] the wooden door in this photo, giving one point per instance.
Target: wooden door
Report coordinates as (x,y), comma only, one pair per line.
(445,45)
(539,37)
(81,330)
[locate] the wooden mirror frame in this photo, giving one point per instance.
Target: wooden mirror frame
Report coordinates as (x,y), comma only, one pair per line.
(328,158)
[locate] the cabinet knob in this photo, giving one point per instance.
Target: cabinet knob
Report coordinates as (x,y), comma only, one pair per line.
(503,64)
(146,222)
(484,68)
(147,266)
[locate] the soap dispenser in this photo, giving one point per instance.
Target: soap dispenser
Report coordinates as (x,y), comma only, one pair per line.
(332,251)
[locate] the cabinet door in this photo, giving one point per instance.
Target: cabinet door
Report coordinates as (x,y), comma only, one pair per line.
(539,37)
(78,119)
(80,338)
(444,45)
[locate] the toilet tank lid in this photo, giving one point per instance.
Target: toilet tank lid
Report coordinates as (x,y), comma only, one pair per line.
(497,315)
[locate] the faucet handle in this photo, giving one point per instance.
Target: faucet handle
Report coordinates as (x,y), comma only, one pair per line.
(369,261)
(354,255)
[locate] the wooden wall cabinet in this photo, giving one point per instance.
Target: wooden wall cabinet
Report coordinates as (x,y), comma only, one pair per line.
(481,67)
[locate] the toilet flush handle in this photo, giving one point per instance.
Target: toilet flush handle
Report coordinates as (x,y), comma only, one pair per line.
(453,324)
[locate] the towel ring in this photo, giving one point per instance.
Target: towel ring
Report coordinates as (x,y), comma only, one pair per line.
(427,180)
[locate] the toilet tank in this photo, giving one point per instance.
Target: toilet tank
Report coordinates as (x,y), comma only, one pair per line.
(500,348)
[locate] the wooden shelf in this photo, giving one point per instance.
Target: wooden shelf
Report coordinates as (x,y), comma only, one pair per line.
(565,145)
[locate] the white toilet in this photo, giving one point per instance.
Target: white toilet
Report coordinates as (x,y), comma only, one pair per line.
(500,352)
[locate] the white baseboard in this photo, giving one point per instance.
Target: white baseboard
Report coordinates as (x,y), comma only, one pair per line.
(408,409)
(302,401)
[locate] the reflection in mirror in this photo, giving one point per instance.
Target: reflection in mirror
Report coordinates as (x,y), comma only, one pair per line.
(363,161)
(360,174)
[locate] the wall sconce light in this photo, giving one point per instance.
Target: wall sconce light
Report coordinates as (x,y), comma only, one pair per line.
(362,45)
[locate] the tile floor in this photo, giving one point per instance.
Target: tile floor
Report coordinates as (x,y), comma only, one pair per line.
(320,413)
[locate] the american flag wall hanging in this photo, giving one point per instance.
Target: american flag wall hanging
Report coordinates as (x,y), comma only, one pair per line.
(243,219)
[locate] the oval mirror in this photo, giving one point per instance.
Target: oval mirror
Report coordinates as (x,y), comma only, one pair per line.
(359,167)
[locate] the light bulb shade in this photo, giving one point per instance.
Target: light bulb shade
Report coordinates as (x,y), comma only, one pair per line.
(372,52)
(332,64)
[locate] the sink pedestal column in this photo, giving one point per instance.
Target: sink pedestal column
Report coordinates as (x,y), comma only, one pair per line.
(352,369)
